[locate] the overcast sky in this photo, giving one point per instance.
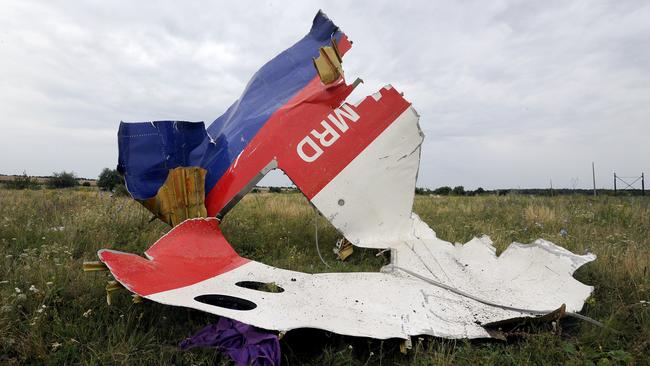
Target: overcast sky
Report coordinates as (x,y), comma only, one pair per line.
(510,93)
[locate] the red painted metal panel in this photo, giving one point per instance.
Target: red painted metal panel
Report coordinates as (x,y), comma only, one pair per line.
(191,252)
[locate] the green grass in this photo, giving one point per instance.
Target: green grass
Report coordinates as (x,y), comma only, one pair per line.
(45,236)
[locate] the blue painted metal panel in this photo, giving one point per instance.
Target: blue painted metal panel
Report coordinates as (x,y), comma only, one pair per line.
(149,149)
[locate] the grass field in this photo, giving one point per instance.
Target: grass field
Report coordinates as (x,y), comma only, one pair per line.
(53,313)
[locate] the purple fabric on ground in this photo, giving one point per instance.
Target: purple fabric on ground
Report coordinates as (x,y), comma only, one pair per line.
(245,344)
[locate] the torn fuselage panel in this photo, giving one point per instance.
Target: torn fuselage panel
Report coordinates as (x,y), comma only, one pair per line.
(377,305)
(357,164)
(335,137)
(364,185)
(148,150)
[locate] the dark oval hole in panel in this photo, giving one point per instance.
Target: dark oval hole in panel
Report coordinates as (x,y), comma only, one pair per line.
(225,301)
(261,286)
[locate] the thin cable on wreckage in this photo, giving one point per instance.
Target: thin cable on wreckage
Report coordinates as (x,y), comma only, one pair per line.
(489,303)
(460,292)
(316,237)
(432,256)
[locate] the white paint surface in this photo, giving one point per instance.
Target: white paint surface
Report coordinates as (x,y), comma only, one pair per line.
(394,305)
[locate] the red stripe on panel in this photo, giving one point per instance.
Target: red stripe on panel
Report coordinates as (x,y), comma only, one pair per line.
(191,252)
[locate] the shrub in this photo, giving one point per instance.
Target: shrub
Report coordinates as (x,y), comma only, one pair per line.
(22,182)
(62,180)
(443,191)
(458,191)
(109,179)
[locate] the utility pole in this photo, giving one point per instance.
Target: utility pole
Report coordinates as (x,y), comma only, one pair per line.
(593,174)
(642,184)
(614,183)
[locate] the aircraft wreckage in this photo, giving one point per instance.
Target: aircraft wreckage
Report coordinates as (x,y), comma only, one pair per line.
(357,163)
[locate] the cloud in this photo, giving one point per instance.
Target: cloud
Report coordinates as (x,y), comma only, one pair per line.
(510,93)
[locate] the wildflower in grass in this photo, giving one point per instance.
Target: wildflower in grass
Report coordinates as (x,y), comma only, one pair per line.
(8,256)
(33,289)
(56,346)
(87,313)
(18,290)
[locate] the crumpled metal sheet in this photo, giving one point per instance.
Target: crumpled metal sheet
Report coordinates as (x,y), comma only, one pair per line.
(181,197)
(328,63)
(369,200)
(148,150)
(357,164)
(390,304)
